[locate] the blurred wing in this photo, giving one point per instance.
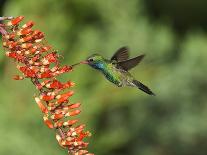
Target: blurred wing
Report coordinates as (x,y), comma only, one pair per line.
(121,54)
(128,64)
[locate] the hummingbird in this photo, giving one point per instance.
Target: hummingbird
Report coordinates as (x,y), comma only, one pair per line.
(116,70)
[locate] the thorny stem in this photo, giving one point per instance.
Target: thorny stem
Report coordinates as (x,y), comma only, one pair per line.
(73,142)
(36,82)
(2,30)
(62,134)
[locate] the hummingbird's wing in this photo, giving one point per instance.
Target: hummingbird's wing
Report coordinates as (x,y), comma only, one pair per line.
(121,54)
(128,64)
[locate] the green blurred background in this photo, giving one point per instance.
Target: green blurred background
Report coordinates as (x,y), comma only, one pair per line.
(124,121)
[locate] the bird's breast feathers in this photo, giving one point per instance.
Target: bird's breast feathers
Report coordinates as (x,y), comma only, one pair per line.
(116,76)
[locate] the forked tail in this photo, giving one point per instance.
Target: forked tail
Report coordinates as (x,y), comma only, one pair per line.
(142,87)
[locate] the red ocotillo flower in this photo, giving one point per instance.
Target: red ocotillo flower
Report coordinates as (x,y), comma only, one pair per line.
(40,62)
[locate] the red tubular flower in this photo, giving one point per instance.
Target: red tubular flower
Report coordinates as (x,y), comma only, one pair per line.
(29,48)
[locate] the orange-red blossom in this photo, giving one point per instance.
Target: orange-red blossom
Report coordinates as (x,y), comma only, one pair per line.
(40,62)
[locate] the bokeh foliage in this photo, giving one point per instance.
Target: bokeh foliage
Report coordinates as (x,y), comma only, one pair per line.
(123,121)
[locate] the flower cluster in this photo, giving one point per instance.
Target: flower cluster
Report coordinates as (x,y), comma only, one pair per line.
(40,62)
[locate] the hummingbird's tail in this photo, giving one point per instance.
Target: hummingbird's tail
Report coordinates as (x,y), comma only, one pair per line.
(142,87)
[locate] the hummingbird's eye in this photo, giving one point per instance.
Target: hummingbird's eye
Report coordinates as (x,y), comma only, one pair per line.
(90,59)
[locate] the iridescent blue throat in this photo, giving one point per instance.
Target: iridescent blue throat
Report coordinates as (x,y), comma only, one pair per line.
(99,66)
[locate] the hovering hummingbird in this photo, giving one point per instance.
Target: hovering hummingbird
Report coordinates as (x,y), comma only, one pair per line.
(116,69)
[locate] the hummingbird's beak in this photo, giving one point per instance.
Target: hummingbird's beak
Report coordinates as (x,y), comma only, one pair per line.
(84,62)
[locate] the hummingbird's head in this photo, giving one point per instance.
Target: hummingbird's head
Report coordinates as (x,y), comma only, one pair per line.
(96,61)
